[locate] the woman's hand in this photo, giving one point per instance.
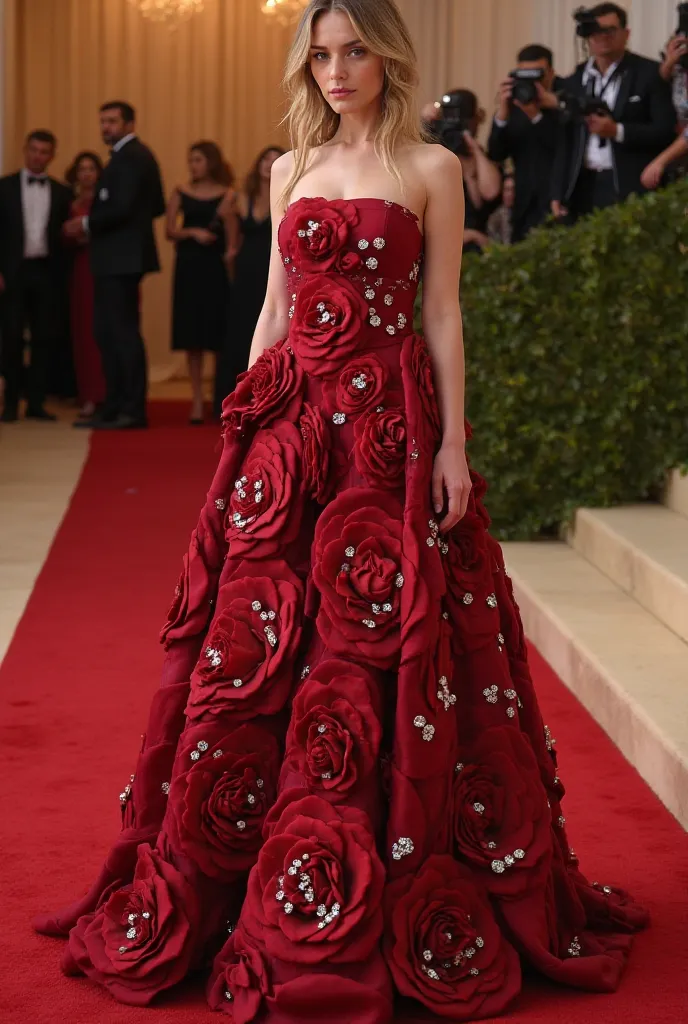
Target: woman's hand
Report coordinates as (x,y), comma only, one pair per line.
(675,49)
(653,173)
(203,236)
(451,483)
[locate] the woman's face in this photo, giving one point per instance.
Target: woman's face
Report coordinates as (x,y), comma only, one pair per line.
(265,165)
(87,173)
(198,165)
(349,76)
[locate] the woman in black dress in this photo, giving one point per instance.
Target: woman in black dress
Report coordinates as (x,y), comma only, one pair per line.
(249,272)
(203,226)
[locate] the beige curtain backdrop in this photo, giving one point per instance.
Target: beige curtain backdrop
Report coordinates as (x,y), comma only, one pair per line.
(218,76)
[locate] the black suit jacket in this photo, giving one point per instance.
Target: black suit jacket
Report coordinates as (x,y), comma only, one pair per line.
(12,225)
(532,148)
(129,197)
(643,106)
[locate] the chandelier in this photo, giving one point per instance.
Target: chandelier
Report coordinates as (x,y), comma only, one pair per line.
(285,12)
(171,12)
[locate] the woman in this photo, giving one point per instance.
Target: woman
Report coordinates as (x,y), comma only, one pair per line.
(83,176)
(500,225)
(360,727)
(202,224)
(250,272)
(655,171)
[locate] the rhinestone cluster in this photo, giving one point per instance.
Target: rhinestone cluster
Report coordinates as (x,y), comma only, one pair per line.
(421,722)
(500,866)
(443,694)
(402,848)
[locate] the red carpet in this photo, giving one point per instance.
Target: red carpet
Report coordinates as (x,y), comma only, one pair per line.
(76,685)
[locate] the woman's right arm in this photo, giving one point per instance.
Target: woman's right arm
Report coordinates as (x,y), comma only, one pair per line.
(172,230)
(273,322)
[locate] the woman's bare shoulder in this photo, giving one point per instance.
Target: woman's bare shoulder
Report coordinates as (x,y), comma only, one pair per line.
(433,158)
(283,166)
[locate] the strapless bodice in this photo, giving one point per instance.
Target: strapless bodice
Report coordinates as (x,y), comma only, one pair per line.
(352,272)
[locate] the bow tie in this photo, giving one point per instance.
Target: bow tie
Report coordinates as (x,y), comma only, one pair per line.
(31,180)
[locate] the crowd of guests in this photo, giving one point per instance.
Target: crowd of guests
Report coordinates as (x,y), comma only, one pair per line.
(616,126)
(72,258)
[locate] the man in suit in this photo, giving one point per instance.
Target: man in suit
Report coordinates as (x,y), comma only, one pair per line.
(528,134)
(33,210)
(601,157)
(128,199)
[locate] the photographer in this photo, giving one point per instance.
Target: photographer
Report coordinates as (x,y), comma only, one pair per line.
(455,124)
(526,129)
(674,67)
(620,117)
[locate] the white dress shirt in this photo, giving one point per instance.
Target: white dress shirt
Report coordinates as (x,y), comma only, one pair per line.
(598,152)
(35,200)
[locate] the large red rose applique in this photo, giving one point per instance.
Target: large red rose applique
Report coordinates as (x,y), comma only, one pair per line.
(322,463)
(264,511)
(317,234)
(140,940)
(223,785)
(416,352)
(271,388)
(471,599)
(361,384)
(502,823)
(329,317)
(380,448)
(335,733)
(443,945)
(247,664)
(240,979)
(357,569)
(315,893)
(190,609)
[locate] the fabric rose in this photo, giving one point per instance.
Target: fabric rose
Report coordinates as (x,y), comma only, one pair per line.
(190,609)
(264,512)
(329,317)
(380,448)
(140,940)
(247,664)
(318,231)
(471,600)
(223,784)
(421,368)
(335,731)
(361,384)
(322,466)
(315,893)
(357,569)
(239,980)
(443,945)
(272,387)
(502,823)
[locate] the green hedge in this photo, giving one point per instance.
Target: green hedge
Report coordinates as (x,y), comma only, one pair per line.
(577,362)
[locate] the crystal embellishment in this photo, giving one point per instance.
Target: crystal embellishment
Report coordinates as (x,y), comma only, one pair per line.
(363,244)
(379,243)
(371,263)
(339,418)
(402,848)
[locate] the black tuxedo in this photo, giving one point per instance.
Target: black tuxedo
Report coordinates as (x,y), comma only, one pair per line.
(35,289)
(643,106)
(129,197)
(532,148)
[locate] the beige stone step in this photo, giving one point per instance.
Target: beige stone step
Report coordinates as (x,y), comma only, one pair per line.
(627,669)
(644,550)
(676,493)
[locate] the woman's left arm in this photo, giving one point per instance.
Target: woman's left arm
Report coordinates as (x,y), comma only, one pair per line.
(443,329)
(228,213)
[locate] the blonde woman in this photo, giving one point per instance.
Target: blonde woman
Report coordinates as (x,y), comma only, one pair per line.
(347,716)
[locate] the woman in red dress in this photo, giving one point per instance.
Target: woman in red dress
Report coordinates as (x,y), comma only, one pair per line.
(83,176)
(346,791)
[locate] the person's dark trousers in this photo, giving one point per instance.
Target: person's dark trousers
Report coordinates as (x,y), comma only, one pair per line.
(526,220)
(594,191)
(117,329)
(32,300)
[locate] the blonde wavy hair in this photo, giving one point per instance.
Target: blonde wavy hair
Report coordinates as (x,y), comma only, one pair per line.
(310,118)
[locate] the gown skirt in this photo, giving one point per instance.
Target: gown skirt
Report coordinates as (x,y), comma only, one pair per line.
(345,792)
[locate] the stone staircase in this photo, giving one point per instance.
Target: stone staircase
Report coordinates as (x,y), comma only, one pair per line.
(609,612)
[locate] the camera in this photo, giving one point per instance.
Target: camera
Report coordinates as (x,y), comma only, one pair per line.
(577,108)
(524,89)
(586,23)
(682,30)
(453,123)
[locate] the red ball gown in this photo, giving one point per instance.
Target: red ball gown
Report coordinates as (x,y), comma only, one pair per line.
(345,790)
